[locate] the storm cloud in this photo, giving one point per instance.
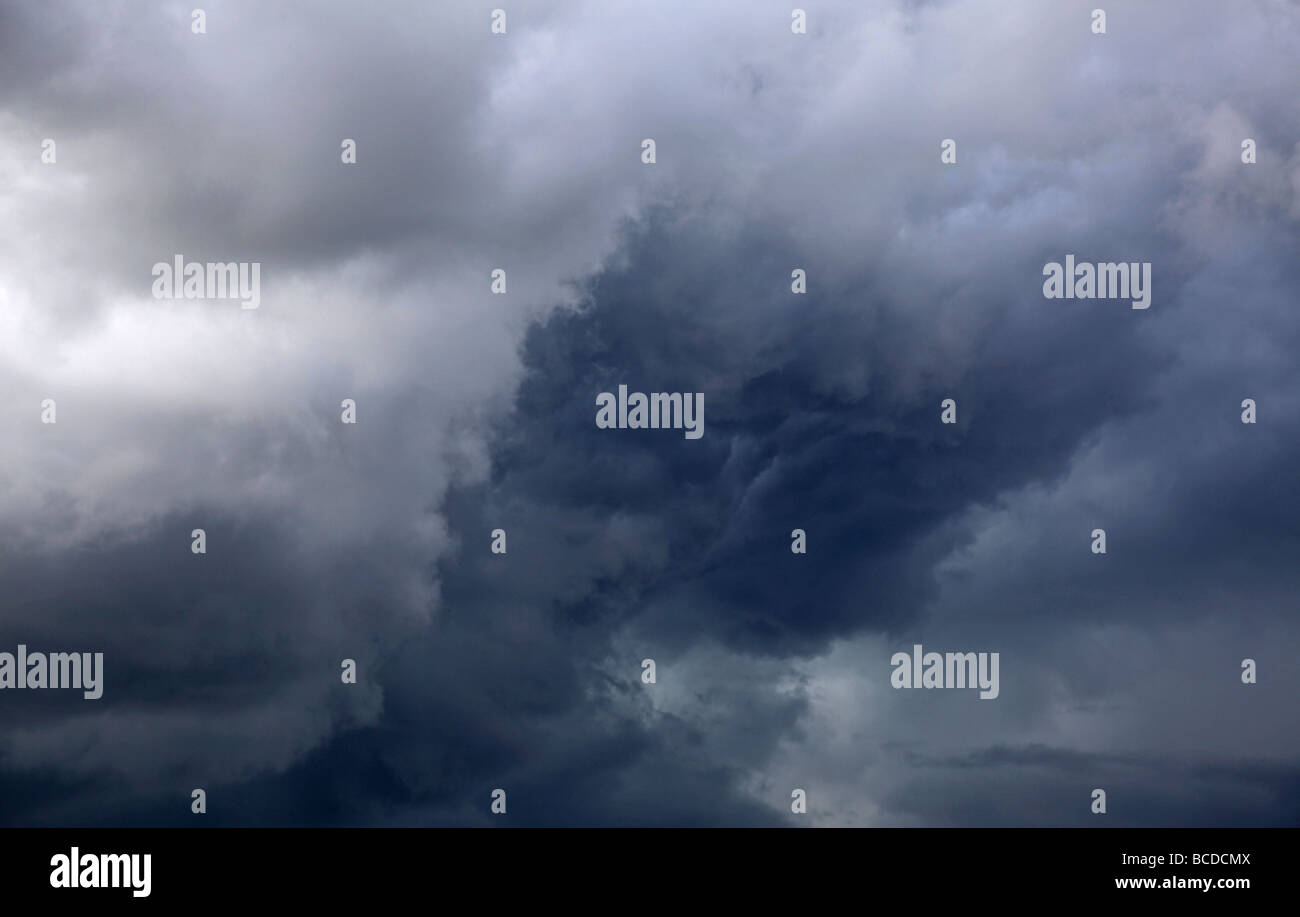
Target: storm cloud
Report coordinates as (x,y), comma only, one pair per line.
(774,152)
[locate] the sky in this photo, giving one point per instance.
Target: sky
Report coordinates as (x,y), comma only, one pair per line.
(475,411)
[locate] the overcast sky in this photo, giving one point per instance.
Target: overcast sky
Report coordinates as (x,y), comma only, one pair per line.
(476,411)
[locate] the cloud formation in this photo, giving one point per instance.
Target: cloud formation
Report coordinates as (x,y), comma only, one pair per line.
(475,411)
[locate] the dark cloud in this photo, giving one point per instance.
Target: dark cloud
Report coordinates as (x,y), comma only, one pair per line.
(476,412)
(1052,788)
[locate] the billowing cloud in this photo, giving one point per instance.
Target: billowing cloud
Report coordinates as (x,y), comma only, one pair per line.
(475,411)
